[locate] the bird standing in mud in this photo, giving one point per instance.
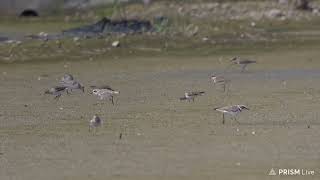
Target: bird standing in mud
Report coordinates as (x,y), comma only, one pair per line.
(191,95)
(56,91)
(94,123)
(231,110)
(70,83)
(104,92)
(73,85)
(67,78)
(219,80)
(243,63)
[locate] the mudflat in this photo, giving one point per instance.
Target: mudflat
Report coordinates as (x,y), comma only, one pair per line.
(162,137)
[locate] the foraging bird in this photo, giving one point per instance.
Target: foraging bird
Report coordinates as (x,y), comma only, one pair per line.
(219,80)
(104,92)
(73,85)
(56,91)
(190,96)
(95,122)
(242,63)
(231,110)
(66,78)
(70,83)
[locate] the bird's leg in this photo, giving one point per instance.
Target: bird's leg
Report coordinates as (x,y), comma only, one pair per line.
(192,99)
(89,128)
(223,118)
(236,119)
(111,99)
(244,67)
(224,87)
(57,97)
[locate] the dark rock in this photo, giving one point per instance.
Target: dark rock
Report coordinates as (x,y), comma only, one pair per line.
(3,39)
(105,25)
(302,5)
(29,13)
(128,26)
(86,30)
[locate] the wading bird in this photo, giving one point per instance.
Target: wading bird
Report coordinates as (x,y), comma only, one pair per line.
(243,63)
(94,123)
(219,80)
(56,91)
(104,92)
(191,95)
(231,110)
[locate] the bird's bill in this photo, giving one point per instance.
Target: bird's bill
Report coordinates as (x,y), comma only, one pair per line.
(246,108)
(116,92)
(183,98)
(233,59)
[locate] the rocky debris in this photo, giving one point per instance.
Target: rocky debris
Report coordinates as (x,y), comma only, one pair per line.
(274,13)
(283,2)
(315,11)
(3,39)
(302,5)
(128,26)
(116,44)
(192,30)
(106,25)
(88,30)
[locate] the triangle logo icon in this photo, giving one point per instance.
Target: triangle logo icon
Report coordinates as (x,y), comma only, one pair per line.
(272,172)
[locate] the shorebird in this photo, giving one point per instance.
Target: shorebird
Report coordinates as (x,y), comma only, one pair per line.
(66,78)
(73,85)
(231,110)
(70,83)
(191,95)
(104,92)
(95,122)
(242,63)
(219,80)
(56,91)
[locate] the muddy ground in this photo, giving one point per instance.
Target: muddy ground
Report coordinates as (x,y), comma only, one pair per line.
(163,138)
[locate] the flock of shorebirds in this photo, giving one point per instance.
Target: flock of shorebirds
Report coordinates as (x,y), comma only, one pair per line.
(68,83)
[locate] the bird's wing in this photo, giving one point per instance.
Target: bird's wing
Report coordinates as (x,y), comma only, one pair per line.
(102,87)
(68,82)
(247,61)
(183,98)
(105,92)
(231,108)
(196,93)
(59,88)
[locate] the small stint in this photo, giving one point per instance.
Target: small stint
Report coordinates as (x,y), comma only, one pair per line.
(243,63)
(56,91)
(191,95)
(70,83)
(94,123)
(219,80)
(105,92)
(231,110)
